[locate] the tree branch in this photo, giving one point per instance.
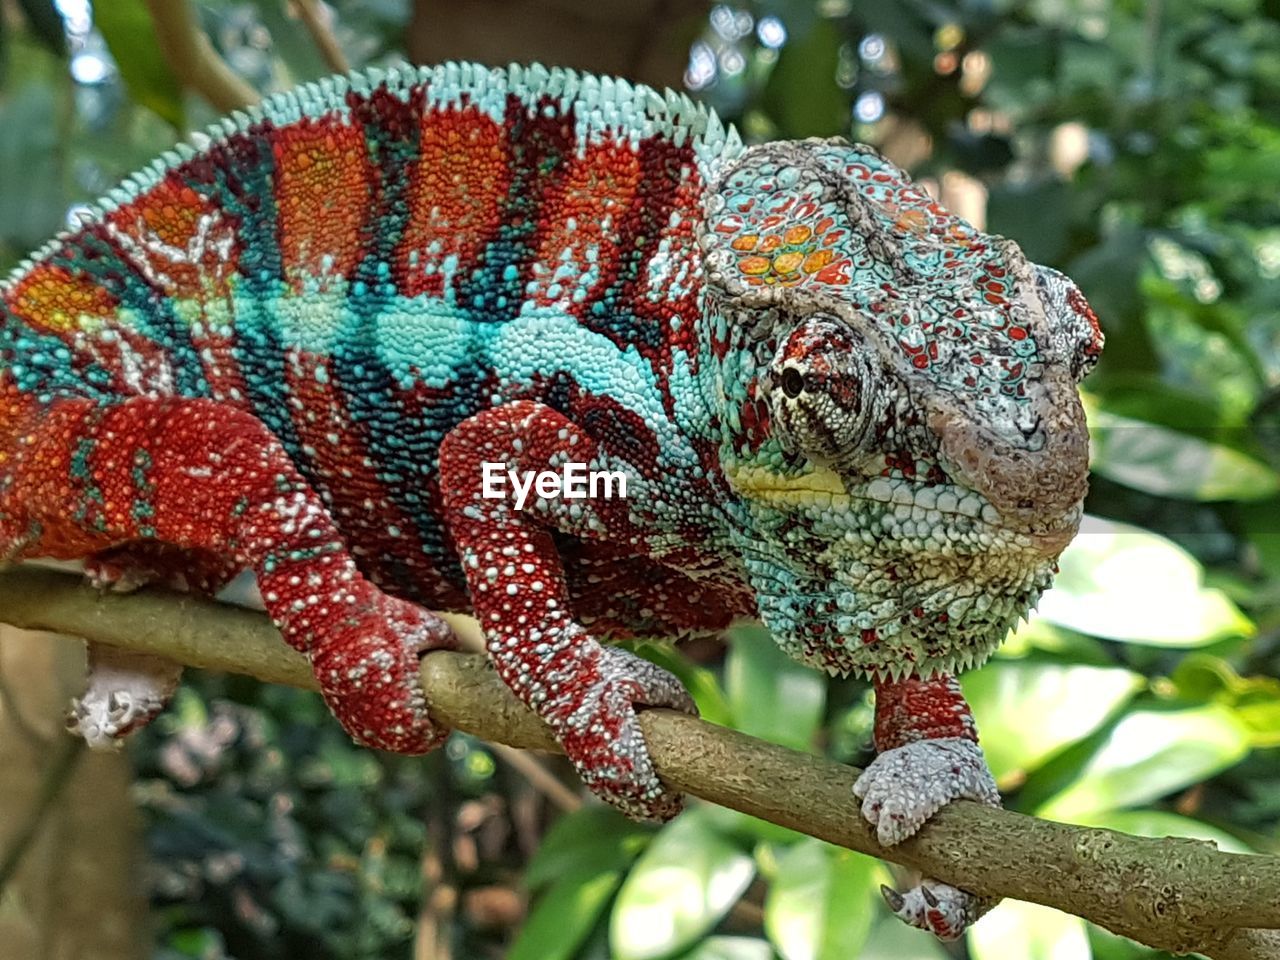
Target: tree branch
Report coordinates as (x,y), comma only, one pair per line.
(1175,894)
(192,58)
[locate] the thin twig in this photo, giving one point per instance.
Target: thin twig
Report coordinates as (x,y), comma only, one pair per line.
(539,777)
(321,30)
(1179,895)
(192,58)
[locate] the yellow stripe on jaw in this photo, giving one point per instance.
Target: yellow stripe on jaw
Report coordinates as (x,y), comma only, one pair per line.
(821,485)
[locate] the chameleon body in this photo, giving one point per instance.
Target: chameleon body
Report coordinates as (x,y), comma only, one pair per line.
(291,345)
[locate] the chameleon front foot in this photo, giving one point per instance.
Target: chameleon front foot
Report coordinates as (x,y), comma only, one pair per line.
(905,786)
(900,790)
(601,734)
(936,907)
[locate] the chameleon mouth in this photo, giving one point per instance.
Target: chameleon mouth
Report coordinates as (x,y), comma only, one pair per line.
(917,511)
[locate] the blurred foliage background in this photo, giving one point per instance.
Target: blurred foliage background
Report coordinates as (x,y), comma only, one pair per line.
(1134,146)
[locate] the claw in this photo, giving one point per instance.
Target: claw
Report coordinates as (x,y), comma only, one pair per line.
(892,897)
(936,907)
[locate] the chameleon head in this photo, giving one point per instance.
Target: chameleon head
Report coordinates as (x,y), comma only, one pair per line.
(901,416)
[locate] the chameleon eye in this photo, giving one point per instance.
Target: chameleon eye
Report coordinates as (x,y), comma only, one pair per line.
(792,382)
(824,391)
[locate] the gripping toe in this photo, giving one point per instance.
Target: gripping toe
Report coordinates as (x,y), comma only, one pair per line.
(905,786)
(601,733)
(937,907)
(367,666)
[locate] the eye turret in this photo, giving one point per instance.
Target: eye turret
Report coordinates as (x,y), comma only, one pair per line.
(826,392)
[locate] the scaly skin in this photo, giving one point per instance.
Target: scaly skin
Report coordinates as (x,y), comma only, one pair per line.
(290,347)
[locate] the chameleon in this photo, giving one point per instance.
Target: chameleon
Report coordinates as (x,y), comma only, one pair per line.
(293,344)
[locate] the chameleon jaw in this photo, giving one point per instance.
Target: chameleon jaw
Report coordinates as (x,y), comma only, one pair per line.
(823,489)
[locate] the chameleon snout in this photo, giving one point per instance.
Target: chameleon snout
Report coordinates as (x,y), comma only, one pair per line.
(1037,486)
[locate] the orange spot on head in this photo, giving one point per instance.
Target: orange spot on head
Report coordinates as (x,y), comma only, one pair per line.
(913,221)
(835,273)
(788,262)
(817,260)
(797,234)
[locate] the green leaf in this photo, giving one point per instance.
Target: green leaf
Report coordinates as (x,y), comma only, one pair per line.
(198,942)
(1038,634)
(565,915)
(1150,753)
(894,940)
(679,888)
(1263,720)
(729,948)
(1255,700)
(1161,823)
(126,26)
(1027,711)
(1169,463)
(595,835)
(1028,931)
(29,150)
(1123,583)
(820,902)
(772,696)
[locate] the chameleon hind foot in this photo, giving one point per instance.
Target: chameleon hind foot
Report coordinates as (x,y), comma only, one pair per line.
(124,692)
(935,907)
